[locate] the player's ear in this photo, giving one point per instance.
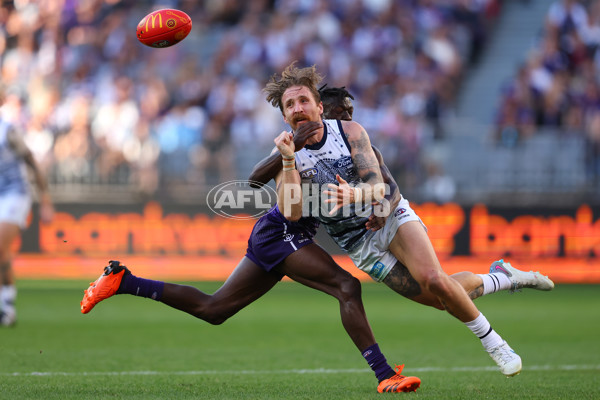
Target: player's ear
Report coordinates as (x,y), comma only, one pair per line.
(320,106)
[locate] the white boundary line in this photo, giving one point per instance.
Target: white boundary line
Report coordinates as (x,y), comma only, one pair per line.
(301,371)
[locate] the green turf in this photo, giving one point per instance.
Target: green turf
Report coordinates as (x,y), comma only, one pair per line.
(290,345)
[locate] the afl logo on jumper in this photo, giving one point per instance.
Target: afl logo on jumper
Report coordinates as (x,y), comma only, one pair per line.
(309,173)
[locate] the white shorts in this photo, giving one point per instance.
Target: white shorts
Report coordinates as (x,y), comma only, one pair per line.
(373,256)
(14,208)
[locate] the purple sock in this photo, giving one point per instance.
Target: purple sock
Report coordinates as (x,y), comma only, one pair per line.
(131,284)
(377,362)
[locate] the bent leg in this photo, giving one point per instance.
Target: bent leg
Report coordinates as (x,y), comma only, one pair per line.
(412,247)
(402,282)
(471,282)
(313,267)
(246,283)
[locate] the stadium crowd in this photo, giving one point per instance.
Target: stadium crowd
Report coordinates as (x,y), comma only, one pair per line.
(557,85)
(97,106)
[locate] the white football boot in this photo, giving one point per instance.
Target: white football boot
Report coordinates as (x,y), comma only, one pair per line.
(8,318)
(506,358)
(522,279)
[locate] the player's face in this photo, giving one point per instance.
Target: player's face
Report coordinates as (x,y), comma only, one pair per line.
(299,106)
(333,109)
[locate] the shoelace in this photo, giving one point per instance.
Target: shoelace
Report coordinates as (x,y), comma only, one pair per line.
(398,369)
(506,353)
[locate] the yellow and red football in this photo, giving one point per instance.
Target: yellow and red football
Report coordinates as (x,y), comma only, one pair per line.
(164,28)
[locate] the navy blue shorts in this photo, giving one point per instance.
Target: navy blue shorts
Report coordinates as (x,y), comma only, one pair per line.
(274,238)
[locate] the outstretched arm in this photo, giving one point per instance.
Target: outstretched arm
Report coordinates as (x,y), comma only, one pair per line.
(269,167)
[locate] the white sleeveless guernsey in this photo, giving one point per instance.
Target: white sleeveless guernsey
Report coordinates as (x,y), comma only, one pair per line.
(318,165)
(13,171)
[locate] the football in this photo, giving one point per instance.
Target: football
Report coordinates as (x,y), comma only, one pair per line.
(164,28)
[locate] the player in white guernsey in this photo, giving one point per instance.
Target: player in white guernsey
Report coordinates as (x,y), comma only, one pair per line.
(15,203)
(337,105)
(339,157)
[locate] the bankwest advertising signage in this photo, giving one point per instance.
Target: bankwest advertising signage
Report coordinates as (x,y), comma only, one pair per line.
(565,241)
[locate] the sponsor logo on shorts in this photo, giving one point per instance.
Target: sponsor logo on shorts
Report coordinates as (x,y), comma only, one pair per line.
(237,200)
(377,270)
(302,238)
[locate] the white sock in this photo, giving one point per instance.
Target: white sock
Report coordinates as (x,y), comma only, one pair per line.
(8,294)
(483,330)
(495,282)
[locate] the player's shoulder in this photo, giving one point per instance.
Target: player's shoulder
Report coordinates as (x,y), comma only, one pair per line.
(344,124)
(352,129)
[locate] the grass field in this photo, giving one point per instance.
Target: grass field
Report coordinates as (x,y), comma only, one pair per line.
(290,345)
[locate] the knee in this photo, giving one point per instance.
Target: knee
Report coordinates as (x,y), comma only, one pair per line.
(214,318)
(437,283)
(350,289)
(211,313)
(5,257)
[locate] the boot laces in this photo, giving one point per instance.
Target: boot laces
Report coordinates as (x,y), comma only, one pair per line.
(504,353)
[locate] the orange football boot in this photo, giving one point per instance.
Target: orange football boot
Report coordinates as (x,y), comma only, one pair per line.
(105,286)
(399,383)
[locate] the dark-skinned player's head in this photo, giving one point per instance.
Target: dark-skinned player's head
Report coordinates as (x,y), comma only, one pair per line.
(337,103)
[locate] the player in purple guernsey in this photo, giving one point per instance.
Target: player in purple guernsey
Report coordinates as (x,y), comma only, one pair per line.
(276,247)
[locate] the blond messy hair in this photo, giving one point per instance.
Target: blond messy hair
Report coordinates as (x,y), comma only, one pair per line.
(292,76)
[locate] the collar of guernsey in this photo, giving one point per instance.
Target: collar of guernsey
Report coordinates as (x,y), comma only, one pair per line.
(318,164)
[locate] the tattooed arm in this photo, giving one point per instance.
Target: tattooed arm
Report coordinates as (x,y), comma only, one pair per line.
(367,168)
(377,219)
(363,157)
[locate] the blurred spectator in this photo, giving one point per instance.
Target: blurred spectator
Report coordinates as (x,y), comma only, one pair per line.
(558,87)
(439,187)
(593,148)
